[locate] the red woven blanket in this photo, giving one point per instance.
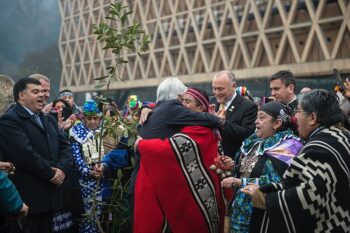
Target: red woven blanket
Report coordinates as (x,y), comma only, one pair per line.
(175,185)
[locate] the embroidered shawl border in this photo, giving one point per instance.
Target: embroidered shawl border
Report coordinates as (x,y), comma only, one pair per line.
(197,177)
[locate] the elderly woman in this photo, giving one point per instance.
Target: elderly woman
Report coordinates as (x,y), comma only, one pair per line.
(85,146)
(314,193)
(175,186)
(265,156)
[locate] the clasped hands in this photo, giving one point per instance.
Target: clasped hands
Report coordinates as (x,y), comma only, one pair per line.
(223,165)
(233,182)
(58,177)
(97,172)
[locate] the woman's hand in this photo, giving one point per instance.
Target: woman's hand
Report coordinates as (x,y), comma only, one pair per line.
(258,197)
(227,163)
(96,174)
(250,189)
(223,165)
(231,182)
(144,115)
(99,168)
(67,124)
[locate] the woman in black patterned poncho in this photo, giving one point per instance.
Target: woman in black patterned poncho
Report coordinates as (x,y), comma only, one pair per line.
(314,193)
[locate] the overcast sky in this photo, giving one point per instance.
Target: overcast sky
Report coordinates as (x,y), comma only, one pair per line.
(26,26)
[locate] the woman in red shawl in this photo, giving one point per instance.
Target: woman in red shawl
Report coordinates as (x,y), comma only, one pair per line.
(175,188)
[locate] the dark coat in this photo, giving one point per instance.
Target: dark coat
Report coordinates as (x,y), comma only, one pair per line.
(294,104)
(167,118)
(34,151)
(239,124)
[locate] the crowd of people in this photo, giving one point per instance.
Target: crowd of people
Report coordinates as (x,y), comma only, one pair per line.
(234,163)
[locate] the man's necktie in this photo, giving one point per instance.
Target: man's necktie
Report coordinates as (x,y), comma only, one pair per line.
(221,111)
(36,117)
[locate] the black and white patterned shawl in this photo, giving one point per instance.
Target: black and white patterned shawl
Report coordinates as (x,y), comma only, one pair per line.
(314,195)
(200,183)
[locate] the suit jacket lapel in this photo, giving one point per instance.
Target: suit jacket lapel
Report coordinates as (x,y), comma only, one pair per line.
(25,114)
(233,106)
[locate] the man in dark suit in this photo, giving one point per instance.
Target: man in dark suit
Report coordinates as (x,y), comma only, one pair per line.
(32,142)
(283,86)
(239,113)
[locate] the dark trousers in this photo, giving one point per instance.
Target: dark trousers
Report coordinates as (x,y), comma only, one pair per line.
(40,223)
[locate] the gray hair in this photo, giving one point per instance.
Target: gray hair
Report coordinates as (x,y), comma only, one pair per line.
(170,89)
(324,104)
(39,77)
(229,74)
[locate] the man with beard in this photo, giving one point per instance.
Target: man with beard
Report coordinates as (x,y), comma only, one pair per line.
(32,142)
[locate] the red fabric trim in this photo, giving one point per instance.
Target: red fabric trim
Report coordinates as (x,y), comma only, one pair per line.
(148,216)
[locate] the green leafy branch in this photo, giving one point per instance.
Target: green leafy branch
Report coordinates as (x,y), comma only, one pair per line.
(121,38)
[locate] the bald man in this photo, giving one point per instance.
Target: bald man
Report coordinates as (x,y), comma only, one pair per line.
(238,113)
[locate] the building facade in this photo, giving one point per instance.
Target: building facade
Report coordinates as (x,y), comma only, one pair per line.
(193,39)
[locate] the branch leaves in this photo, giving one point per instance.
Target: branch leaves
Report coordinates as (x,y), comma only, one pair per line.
(119,36)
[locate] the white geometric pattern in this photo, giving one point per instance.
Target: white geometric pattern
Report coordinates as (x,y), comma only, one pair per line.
(334,214)
(321,202)
(193,39)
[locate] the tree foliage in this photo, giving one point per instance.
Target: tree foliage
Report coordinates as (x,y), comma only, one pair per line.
(119,37)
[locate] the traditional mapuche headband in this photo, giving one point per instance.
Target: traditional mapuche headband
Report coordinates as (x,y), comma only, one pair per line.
(66,93)
(200,97)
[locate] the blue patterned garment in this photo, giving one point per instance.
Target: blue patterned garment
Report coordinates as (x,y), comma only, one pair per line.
(88,184)
(283,145)
(242,206)
(62,221)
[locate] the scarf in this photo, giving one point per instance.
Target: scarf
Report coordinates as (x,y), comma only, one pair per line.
(283,145)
